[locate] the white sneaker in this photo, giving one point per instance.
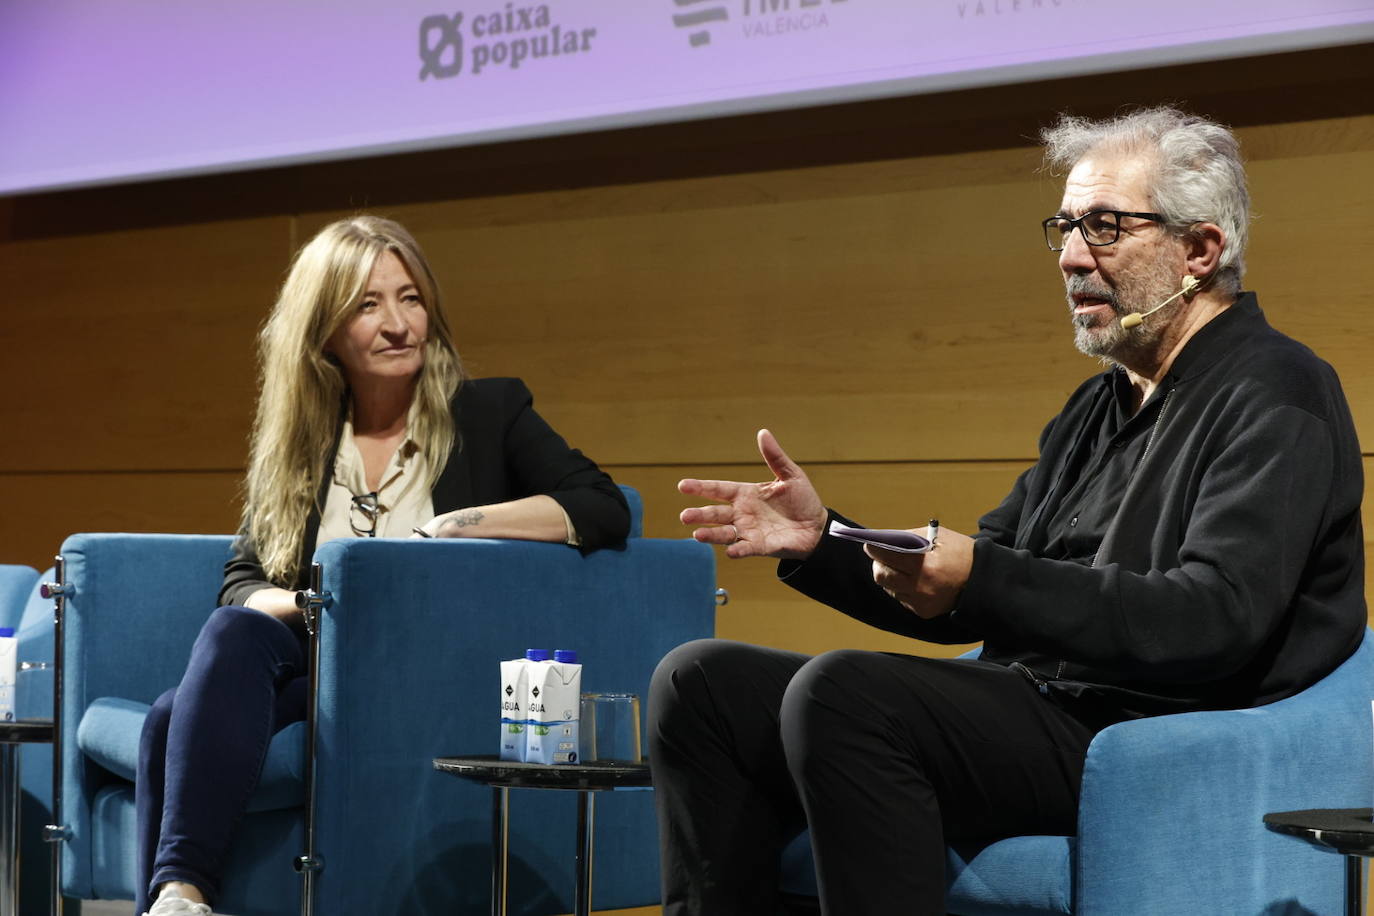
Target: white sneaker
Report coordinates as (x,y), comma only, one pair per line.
(178,906)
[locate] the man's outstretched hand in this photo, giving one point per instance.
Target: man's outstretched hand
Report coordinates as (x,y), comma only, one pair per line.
(782,518)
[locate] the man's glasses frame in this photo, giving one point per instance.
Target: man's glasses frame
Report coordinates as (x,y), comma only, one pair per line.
(1092,226)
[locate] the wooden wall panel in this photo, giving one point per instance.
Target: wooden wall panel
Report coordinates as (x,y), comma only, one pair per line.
(1314,203)
(135,350)
(42,509)
(843,309)
(850,306)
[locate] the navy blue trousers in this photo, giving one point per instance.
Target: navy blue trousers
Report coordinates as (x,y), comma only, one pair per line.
(204,743)
(886,758)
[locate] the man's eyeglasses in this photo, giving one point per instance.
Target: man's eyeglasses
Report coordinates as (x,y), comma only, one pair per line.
(1099,227)
(362,515)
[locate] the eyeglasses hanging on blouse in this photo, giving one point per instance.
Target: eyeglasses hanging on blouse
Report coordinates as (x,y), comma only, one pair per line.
(362,514)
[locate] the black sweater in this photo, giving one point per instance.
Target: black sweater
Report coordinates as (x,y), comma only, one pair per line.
(1232,573)
(505,451)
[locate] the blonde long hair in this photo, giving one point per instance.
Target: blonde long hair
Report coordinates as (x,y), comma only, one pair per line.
(302,390)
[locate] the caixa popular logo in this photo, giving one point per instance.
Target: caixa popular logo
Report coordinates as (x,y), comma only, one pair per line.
(441,46)
(758,18)
(509,38)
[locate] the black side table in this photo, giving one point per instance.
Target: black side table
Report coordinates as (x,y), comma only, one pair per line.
(13,734)
(584,779)
(1348,831)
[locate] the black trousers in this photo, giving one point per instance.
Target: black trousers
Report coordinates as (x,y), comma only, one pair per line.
(885,757)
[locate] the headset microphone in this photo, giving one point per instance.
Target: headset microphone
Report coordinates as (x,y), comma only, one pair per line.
(1135,319)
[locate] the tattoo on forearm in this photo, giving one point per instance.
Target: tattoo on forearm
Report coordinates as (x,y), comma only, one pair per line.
(463,518)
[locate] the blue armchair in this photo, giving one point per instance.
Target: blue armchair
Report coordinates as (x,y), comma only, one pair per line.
(16,582)
(409,641)
(1170,820)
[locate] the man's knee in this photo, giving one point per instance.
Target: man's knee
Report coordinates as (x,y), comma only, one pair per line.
(833,687)
(681,660)
(722,688)
(826,714)
(686,674)
(851,698)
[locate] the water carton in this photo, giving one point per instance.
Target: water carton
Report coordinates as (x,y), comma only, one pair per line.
(554,707)
(9,655)
(515,689)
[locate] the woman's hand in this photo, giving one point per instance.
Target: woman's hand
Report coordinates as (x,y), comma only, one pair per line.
(927,584)
(279,603)
(783,517)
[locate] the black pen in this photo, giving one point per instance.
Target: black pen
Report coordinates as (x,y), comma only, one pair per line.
(421,532)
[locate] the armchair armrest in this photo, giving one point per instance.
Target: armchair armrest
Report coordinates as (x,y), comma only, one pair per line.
(1191,789)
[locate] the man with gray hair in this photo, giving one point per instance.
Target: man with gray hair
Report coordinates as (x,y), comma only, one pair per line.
(1188,539)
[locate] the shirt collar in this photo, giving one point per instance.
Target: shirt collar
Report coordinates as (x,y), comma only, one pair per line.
(348,469)
(1212,341)
(1219,337)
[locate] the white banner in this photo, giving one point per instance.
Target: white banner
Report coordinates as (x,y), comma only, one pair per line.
(94,92)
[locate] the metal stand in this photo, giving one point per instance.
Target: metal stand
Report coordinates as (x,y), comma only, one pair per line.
(9,829)
(310,863)
(57,832)
(1348,831)
(500,846)
(1354,886)
(586,823)
(12,735)
(585,779)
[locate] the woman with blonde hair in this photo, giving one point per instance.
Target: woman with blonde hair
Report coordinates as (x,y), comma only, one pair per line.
(366,427)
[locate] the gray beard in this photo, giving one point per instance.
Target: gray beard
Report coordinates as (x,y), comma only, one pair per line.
(1100,342)
(1112,343)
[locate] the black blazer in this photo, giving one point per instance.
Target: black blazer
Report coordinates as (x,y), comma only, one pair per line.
(504,451)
